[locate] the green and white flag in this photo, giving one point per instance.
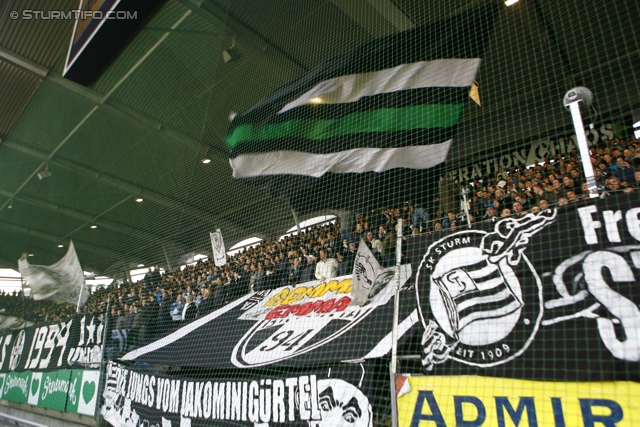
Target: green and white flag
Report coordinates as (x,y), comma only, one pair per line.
(60,282)
(380,111)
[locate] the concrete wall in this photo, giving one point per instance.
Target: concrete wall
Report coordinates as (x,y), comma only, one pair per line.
(47,417)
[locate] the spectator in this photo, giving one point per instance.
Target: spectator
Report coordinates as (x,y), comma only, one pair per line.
(189,311)
(294,271)
(308,273)
(518,211)
(206,304)
(490,214)
(343,267)
(374,243)
(326,267)
(544,204)
(451,216)
(176,308)
(389,248)
(164,311)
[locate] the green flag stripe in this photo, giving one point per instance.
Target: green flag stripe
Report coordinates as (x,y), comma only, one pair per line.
(382,120)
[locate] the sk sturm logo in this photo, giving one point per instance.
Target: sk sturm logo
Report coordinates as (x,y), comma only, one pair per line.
(480,299)
(217,244)
(16,351)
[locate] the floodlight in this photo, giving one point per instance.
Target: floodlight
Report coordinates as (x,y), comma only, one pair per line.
(44,173)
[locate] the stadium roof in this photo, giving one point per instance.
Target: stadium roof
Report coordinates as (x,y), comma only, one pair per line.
(142,129)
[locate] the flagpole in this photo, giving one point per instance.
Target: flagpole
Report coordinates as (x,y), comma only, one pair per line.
(576,99)
(102,370)
(80,296)
(394,331)
(465,207)
(583,147)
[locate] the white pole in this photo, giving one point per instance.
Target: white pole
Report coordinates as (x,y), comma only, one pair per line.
(584,148)
(466,208)
(394,331)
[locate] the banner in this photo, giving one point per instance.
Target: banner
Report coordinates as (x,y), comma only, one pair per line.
(365,274)
(64,390)
(71,343)
(482,401)
(15,386)
(539,149)
(308,324)
(83,392)
(333,397)
(552,296)
(219,252)
(61,282)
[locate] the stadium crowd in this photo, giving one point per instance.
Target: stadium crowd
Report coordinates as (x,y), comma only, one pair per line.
(156,305)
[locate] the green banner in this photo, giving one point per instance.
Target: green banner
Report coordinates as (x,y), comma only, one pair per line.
(16,386)
(53,392)
(83,392)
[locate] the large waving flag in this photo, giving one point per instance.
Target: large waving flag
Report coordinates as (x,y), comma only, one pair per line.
(60,282)
(386,110)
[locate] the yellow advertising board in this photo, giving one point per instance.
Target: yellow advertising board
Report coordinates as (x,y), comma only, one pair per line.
(471,401)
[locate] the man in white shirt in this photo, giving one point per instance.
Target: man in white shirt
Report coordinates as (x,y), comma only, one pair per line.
(326,267)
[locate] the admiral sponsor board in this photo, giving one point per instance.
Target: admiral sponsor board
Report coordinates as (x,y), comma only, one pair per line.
(553,295)
(306,324)
(318,399)
(474,401)
(74,342)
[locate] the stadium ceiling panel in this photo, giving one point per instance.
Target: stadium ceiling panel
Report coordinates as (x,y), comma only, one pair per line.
(143,128)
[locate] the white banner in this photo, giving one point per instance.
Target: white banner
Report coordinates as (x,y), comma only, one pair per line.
(365,271)
(217,244)
(61,282)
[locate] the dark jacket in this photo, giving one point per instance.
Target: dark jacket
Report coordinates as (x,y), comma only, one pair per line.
(191,312)
(207,305)
(308,273)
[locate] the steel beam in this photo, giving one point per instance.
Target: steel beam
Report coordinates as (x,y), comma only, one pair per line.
(168,202)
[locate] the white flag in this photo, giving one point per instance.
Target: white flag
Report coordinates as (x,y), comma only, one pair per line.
(61,282)
(366,270)
(219,253)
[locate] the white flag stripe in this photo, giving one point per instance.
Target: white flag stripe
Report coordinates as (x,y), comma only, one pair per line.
(185,330)
(502,295)
(384,346)
(357,160)
(490,284)
(352,87)
(477,315)
(482,272)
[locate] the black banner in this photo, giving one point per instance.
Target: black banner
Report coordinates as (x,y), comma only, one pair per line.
(331,396)
(548,296)
(309,324)
(552,296)
(72,343)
